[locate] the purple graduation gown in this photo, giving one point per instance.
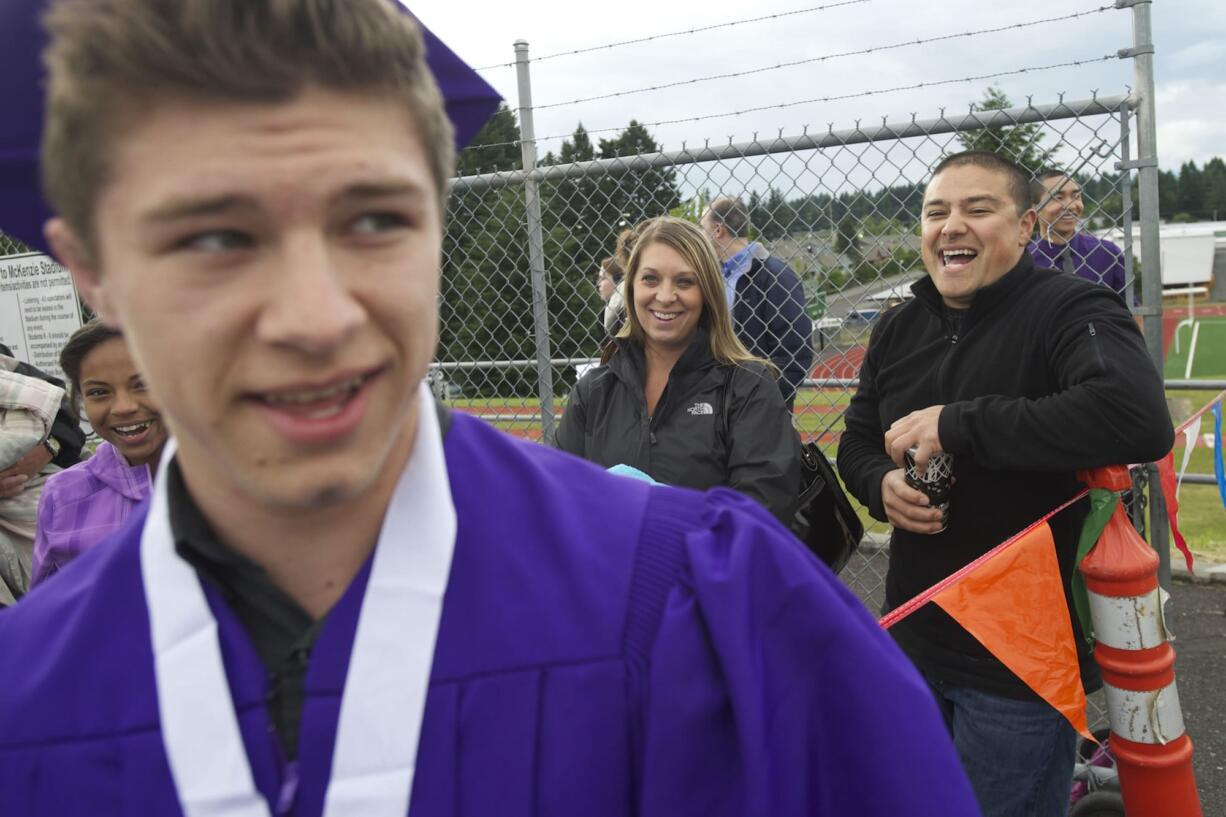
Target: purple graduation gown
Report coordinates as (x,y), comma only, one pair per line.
(606,647)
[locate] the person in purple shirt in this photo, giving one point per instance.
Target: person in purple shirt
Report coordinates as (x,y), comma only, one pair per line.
(1061,244)
(84,504)
(343,599)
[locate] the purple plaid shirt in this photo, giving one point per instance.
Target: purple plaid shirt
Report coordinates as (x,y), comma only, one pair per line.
(84,504)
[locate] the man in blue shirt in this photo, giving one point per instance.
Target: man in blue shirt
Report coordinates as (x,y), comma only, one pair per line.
(1061,244)
(764,295)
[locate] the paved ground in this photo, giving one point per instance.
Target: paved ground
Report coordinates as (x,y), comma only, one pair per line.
(1196,615)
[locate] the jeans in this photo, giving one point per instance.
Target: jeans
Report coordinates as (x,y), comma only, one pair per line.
(1018,754)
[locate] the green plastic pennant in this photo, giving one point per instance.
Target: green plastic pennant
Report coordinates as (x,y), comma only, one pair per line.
(1102,505)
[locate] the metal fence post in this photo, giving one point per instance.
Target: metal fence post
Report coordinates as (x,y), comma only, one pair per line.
(536,245)
(1124,165)
(1142,53)
(1159,526)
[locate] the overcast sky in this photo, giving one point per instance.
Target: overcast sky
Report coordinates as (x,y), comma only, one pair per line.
(1189,35)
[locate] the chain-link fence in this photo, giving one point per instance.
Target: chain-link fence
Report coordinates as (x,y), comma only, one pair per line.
(11,246)
(521,320)
(522,315)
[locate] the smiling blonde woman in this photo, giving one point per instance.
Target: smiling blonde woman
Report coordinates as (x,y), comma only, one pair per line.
(678,396)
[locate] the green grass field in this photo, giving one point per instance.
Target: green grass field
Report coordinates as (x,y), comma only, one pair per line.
(818,413)
(1202,519)
(1210,359)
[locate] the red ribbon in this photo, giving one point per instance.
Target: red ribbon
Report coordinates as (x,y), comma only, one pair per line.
(1166,474)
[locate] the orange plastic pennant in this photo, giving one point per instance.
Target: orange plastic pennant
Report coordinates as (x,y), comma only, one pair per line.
(1014,605)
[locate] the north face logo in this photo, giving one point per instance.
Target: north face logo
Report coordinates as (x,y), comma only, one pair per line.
(700,408)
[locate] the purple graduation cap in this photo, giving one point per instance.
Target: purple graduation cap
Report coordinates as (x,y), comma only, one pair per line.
(470,102)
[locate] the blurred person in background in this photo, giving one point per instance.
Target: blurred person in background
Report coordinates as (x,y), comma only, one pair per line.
(679,397)
(764,294)
(1062,245)
(28,411)
(609,285)
(84,504)
(63,445)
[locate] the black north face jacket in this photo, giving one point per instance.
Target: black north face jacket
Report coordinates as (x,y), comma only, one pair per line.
(685,442)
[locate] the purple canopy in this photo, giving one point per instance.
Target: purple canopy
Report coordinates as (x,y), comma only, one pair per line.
(470,102)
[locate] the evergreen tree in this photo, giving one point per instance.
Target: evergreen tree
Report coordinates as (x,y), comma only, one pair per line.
(486,298)
(847,237)
(486,295)
(495,147)
(1191,196)
(758,214)
(581,227)
(639,194)
(1168,192)
(772,217)
(578,207)
(578,148)
(1021,143)
(1213,205)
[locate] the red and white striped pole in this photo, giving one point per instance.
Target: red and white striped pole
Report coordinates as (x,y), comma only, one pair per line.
(1153,753)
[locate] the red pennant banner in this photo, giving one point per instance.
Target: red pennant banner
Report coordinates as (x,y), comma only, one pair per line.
(1166,474)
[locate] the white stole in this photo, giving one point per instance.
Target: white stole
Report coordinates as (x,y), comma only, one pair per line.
(389,669)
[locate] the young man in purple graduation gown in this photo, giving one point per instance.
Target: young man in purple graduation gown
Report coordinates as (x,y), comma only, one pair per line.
(343,599)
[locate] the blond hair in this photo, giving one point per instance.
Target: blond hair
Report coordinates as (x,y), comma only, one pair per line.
(110,60)
(696,249)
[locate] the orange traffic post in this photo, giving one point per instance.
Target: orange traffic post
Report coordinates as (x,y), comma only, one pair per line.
(1152,751)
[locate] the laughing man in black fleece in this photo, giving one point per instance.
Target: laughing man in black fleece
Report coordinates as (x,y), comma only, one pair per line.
(1024,375)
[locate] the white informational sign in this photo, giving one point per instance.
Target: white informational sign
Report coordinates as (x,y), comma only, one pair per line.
(38,309)
(1186,250)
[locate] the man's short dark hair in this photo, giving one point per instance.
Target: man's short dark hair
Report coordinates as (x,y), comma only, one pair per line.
(1019,179)
(1037,191)
(732,213)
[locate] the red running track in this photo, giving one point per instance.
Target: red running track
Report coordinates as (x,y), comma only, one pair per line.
(1172,314)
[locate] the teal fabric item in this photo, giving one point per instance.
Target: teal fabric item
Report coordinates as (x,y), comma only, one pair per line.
(623,470)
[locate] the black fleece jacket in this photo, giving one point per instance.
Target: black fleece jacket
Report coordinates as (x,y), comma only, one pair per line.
(1047,375)
(684,443)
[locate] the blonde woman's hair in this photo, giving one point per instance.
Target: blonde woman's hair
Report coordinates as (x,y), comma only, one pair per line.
(696,249)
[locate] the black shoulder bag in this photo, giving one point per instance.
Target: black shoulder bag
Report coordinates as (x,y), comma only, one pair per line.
(826,523)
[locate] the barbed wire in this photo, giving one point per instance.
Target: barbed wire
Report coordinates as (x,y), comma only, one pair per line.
(839,55)
(653,37)
(837,98)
